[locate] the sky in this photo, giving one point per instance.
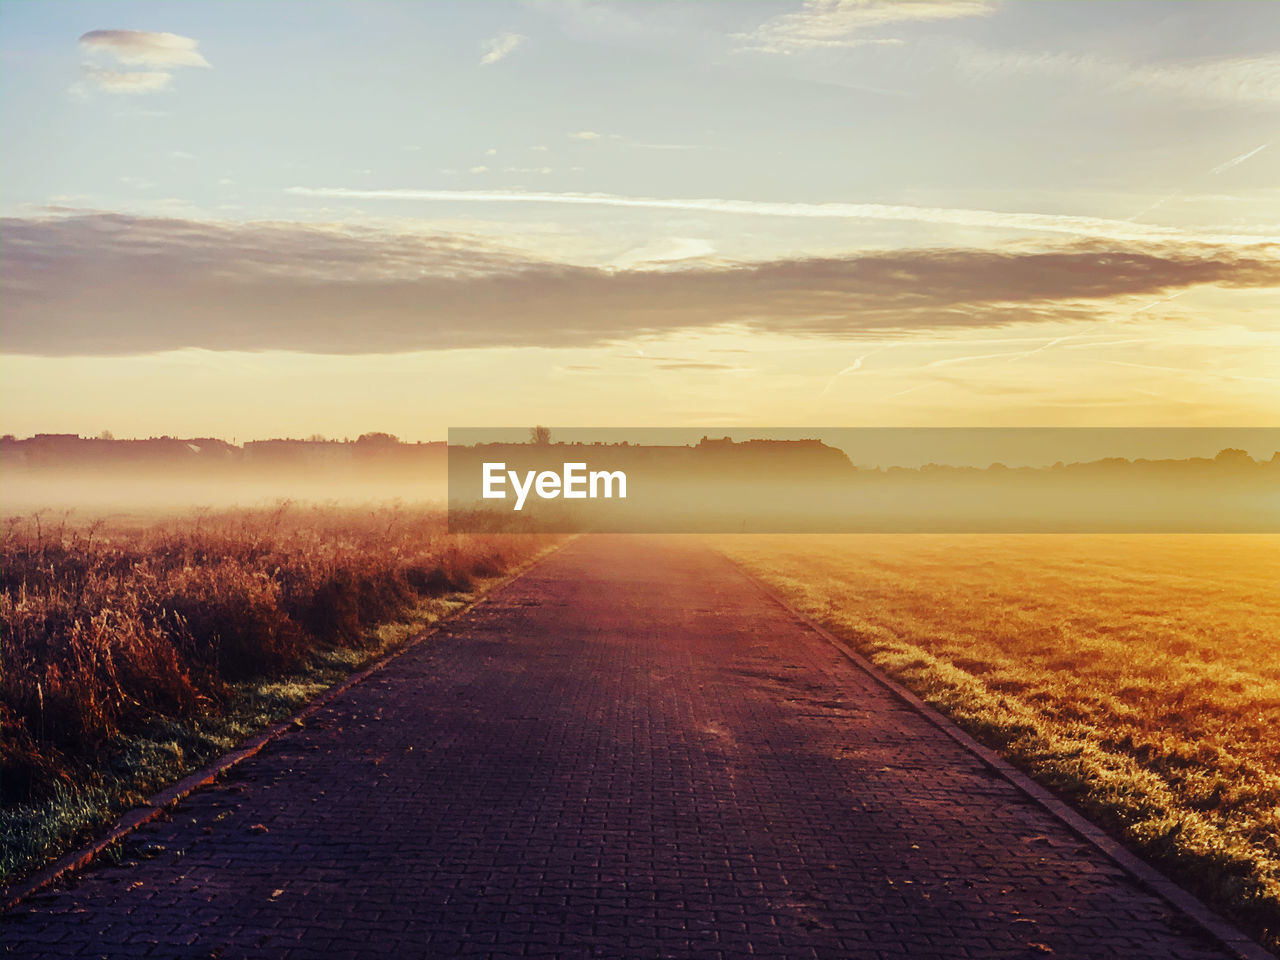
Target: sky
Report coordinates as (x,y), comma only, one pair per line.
(283,219)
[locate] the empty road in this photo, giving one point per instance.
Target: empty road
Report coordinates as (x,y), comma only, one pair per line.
(628,752)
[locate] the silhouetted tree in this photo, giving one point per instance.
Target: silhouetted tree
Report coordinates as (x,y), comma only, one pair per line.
(540,436)
(1234,456)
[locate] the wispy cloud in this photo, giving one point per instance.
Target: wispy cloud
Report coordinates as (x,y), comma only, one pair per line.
(1198,372)
(137,48)
(500,47)
(114,284)
(127,81)
(960,217)
(1019,351)
(666,146)
(1229,79)
(698,365)
(670,250)
(823,24)
(592,135)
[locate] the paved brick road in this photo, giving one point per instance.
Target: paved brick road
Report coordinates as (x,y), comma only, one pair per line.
(628,752)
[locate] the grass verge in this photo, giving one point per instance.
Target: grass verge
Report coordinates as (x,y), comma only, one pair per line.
(134,655)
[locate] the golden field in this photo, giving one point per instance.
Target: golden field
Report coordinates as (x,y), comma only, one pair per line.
(1138,676)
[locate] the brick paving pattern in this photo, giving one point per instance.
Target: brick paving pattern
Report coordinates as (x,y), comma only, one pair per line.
(629,752)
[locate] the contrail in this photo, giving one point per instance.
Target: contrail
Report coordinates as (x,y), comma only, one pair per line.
(1114,343)
(1218,169)
(856,365)
(1201,373)
(1073,341)
(1153,303)
(947,361)
(1039,222)
(1240,159)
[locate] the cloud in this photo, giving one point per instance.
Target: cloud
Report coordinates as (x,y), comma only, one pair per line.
(500,47)
(669,250)
(115,284)
(666,146)
(695,365)
(1036,222)
(126,81)
(824,24)
(1224,79)
(136,48)
(593,135)
(1241,79)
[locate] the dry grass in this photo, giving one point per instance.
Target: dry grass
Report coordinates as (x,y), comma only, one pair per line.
(132,652)
(1138,676)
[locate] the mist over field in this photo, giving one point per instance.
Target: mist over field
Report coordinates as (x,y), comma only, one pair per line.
(144,493)
(765,481)
(88,475)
